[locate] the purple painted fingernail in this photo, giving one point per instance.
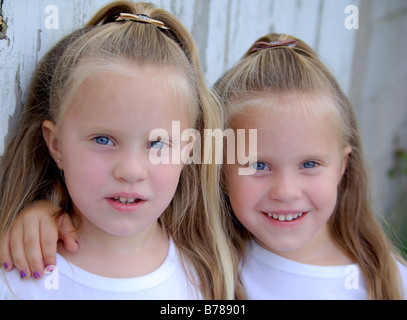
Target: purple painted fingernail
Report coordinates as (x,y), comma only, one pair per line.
(5,265)
(22,274)
(37,275)
(49,269)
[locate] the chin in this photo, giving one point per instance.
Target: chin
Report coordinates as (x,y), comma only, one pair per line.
(283,246)
(121,231)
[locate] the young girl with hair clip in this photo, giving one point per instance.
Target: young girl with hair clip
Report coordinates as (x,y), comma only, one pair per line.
(85,144)
(304,226)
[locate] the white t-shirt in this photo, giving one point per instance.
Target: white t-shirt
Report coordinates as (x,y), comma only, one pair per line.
(267,276)
(68,282)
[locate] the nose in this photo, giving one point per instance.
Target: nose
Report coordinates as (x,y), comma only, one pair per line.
(131,168)
(285,188)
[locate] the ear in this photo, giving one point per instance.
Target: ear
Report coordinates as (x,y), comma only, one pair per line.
(346,152)
(50,134)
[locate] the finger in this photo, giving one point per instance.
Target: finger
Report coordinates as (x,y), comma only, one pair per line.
(49,240)
(67,233)
(41,237)
(17,250)
(5,254)
(32,246)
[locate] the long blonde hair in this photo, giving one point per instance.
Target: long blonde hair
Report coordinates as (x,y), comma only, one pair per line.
(28,173)
(353,224)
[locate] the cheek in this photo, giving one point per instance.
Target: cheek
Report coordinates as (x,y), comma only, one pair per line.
(234,186)
(244,196)
(84,171)
(165,179)
(323,195)
(164,185)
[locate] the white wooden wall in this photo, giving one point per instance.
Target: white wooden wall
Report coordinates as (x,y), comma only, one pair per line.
(369,62)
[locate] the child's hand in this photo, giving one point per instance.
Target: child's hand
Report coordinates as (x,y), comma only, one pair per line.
(32,240)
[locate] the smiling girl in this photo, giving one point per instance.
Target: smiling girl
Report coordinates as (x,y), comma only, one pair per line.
(304,226)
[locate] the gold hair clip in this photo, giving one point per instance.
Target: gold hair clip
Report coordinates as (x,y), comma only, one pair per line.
(141,18)
(264,45)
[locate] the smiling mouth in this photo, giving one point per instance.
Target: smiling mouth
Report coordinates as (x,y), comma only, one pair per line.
(285,217)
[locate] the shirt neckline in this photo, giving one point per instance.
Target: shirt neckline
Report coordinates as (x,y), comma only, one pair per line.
(289,266)
(135,284)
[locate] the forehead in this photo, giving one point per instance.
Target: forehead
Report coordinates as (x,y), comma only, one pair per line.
(303,120)
(125,104)
(112,81)
(264,108)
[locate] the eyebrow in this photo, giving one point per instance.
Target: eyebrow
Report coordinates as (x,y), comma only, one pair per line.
(305,156)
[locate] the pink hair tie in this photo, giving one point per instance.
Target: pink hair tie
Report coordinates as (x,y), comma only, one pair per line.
(258,46)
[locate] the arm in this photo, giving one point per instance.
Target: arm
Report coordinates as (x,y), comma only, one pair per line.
(32,240)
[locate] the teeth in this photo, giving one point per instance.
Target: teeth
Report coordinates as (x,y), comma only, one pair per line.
(288,217)
(124,200)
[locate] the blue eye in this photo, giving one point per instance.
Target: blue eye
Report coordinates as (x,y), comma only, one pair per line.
(309,165)
(261,166)
(104,141)
(156,145)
